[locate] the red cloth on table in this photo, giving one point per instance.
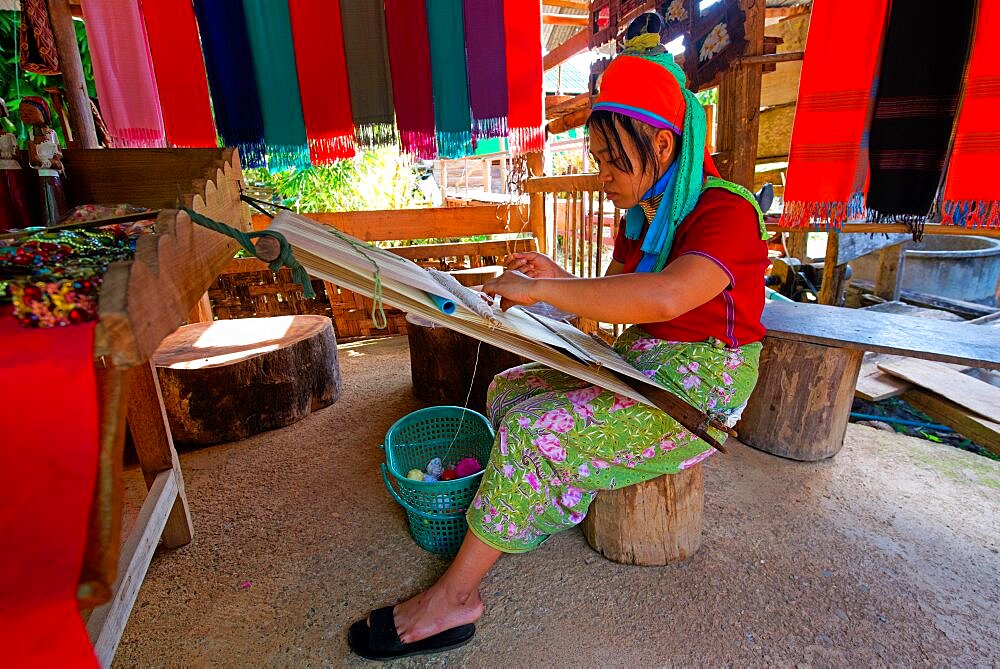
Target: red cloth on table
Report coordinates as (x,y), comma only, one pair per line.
(49,453)
(723,228)
(828,160)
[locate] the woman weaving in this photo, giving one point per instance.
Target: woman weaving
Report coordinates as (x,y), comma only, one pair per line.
(688,265)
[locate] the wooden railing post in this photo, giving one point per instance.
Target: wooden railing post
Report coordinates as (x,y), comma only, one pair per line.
(536,211)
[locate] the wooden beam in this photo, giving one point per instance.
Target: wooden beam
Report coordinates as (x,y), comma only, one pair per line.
(783,13)
(561,184)
(568,4)
(569,121)
(578,43)
(984,432)
(832,290)
(540,227)
(567,105)
(739,102)
(81,119)
(771,58)
(565,19)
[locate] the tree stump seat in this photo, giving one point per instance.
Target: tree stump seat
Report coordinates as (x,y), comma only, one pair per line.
(227,380)
(654,523)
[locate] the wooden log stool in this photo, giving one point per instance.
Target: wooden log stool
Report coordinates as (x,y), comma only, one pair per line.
(226,380)
(654,523)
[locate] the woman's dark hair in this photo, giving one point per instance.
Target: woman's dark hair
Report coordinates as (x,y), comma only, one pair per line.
(612,125)
(650,22)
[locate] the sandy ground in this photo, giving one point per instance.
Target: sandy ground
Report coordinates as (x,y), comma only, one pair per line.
(884,555)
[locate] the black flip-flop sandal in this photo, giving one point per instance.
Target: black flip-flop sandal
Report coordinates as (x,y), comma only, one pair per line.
(379,641)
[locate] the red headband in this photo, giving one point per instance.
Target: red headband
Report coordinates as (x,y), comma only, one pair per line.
(643,90)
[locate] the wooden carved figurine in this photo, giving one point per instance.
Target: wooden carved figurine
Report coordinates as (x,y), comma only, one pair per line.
(44,155)
(14,212)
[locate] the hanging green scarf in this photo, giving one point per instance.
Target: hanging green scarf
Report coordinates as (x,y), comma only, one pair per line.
(451,90)
(270,31)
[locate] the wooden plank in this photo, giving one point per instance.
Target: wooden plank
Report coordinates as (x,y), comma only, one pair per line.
(107,622)
(494,248)
(984,432)
(562,184)
(771,58)
(435,223)
(578,43)
(889,278)
(875,385)
(566,106)
(884,333)
(888,228)
(739,102)
(854,246)
(568,122)
(569,4)
(973,394)
(565,19)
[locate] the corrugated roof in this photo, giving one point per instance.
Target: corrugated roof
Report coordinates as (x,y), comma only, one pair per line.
(573,80)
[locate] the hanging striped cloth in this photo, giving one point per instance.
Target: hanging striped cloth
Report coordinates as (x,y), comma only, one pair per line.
(487,67)
(522,34)
(180,73)
(451,90)
(971,191)
(123,73)
(368,72)
(828,163)
(412,90)
(229,64)
(270,30)
(326,97)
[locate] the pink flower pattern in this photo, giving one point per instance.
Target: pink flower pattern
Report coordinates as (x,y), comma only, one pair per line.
(556,420)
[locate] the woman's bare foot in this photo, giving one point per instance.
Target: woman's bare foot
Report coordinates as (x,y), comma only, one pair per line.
(435,610)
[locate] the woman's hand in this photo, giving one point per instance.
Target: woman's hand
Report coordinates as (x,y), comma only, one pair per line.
(513,288)
(534,265)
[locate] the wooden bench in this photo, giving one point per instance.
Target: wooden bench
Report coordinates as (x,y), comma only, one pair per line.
(810,363)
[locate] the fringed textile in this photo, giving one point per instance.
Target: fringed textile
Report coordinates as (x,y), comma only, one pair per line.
(180,73)
(918,89)
(123,73)
(522,20)
(410,58)
(36,41)
(326,95)
(445,27)
(971,191)
(487,67)
(368,72)
(828,164)
(231,78)
(270,31)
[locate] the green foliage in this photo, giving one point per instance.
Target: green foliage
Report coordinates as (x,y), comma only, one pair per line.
(15,83)
(379,179)
(709,96)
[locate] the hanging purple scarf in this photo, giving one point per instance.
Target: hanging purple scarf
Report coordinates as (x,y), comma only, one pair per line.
(487,67)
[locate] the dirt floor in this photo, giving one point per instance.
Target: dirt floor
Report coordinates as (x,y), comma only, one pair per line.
(885,555)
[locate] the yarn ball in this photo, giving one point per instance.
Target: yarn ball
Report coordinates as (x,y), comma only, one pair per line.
(434,467)
(415,475)
(448,475)
(467,467)
(430,478)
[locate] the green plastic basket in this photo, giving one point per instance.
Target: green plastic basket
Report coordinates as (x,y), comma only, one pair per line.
(436,511)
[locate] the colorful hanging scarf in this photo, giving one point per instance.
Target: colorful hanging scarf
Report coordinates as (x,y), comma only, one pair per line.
(123,73)
(971,193)
(828,163)
(326,96)
(918,89)
(451,90)
(522,20)
(487,67)
(180,73)
(368,72)
(37,43)
(410,57)
(229,65)
(270,30)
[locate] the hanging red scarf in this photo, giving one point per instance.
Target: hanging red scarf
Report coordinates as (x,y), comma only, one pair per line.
(522,20)
(323,88)
(49,453)
(180,73)
(828,163)
(971,194)
(412,90)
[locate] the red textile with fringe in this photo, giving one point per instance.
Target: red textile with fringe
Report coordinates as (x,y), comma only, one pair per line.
(971,192)
(322,67)
(180,73)
(522,21)
(828,164)
(412,89)
(49,452)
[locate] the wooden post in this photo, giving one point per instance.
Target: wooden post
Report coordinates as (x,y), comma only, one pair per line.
(536,211)
(795,245)
(802,402)
(202,311)
(80,118)
(832,290)
(739,103)
(889,279)
(653,523)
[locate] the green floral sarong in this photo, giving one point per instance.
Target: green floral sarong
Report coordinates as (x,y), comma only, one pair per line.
(560,440)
